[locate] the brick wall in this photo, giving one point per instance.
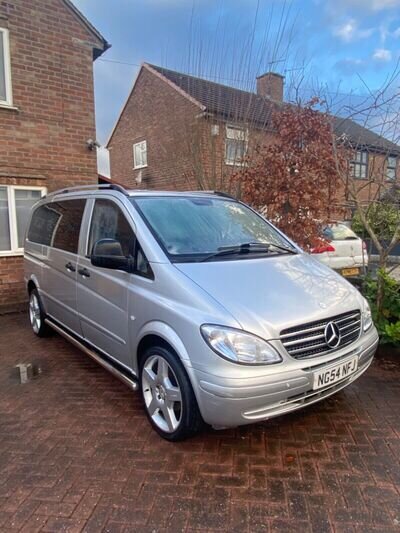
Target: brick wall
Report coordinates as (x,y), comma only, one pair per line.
(372,188)
(12,289)
(160,115)
(184,150)
(43,140)
(368,190)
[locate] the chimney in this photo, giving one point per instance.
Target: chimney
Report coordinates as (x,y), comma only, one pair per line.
(270,84)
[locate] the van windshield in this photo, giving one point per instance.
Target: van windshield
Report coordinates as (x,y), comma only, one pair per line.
(197,228)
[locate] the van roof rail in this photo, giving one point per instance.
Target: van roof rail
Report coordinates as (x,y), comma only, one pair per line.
(112,186)
(217,193)
(224,194)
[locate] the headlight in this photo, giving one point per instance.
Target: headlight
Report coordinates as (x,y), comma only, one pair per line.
(367,316)
(238,346)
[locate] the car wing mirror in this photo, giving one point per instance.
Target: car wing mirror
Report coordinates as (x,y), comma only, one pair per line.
(107,253)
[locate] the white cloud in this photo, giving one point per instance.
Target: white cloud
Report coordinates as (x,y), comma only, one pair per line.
(384,32)
(396,33)
(364,5)
(349,31)
(350,66)
(380,5)
(345,32)
(353,62)
(382,54)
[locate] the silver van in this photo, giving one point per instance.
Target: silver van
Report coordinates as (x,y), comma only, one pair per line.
(196,300)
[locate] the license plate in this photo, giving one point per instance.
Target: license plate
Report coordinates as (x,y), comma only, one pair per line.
(330,375)
(350,271)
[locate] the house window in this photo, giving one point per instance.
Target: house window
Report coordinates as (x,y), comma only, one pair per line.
(140,155)
(5,69)
(391,168)
(235,145)
(359,165)
(15,207)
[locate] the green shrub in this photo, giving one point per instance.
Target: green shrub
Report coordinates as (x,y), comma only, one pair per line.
(383,219)
(388,321)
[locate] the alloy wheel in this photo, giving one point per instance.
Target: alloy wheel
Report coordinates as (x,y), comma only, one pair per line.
(162,393)
(34,313)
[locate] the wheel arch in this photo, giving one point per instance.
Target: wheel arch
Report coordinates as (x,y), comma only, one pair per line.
(160,334)
(155,333)
(32,283)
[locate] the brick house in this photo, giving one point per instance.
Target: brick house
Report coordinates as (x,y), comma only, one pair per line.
(177,131)
(47,49)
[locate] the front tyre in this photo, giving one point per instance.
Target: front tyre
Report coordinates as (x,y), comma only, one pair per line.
(37,316)
(170,404)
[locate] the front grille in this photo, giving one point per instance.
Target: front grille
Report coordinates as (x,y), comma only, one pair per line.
(308,340)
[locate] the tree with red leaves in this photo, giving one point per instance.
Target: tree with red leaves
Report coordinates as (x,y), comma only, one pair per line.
(294,180)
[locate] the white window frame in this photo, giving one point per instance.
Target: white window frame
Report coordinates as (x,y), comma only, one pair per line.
(8,102)
(245,133)
(360,164)
(143,149)
(391,167)
(12,216)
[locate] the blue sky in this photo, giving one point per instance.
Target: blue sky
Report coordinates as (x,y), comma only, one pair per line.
(350,46)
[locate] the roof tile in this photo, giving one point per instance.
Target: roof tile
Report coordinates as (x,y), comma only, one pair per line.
(243,106)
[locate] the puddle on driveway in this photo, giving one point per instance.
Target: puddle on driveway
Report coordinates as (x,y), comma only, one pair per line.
(26,372)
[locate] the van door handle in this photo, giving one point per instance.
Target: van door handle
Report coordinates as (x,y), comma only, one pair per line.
(84,272)
(70,267)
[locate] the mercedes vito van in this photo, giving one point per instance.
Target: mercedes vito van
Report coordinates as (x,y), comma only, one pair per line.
(195,299)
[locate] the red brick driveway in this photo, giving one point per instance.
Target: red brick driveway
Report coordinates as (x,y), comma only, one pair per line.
(76,453)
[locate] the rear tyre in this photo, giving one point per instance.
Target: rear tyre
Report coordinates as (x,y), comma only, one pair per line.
(168,397)
(37,316)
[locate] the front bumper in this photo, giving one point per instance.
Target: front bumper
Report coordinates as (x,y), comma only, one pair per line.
(229,403)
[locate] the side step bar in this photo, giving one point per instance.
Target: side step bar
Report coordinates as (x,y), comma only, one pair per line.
(131,382)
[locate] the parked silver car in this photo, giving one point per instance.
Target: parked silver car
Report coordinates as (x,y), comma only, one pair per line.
(195,299)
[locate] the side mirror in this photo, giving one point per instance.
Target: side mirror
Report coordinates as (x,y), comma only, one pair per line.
(107,253)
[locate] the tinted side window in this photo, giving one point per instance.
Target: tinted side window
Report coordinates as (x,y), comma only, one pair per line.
(69,224)
(43,224)
(109,222)
(58,224)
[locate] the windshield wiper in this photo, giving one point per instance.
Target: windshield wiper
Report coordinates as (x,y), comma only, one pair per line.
(247,248)
(282,248)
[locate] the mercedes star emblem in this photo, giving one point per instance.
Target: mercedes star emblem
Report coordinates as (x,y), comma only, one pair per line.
(332,335)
